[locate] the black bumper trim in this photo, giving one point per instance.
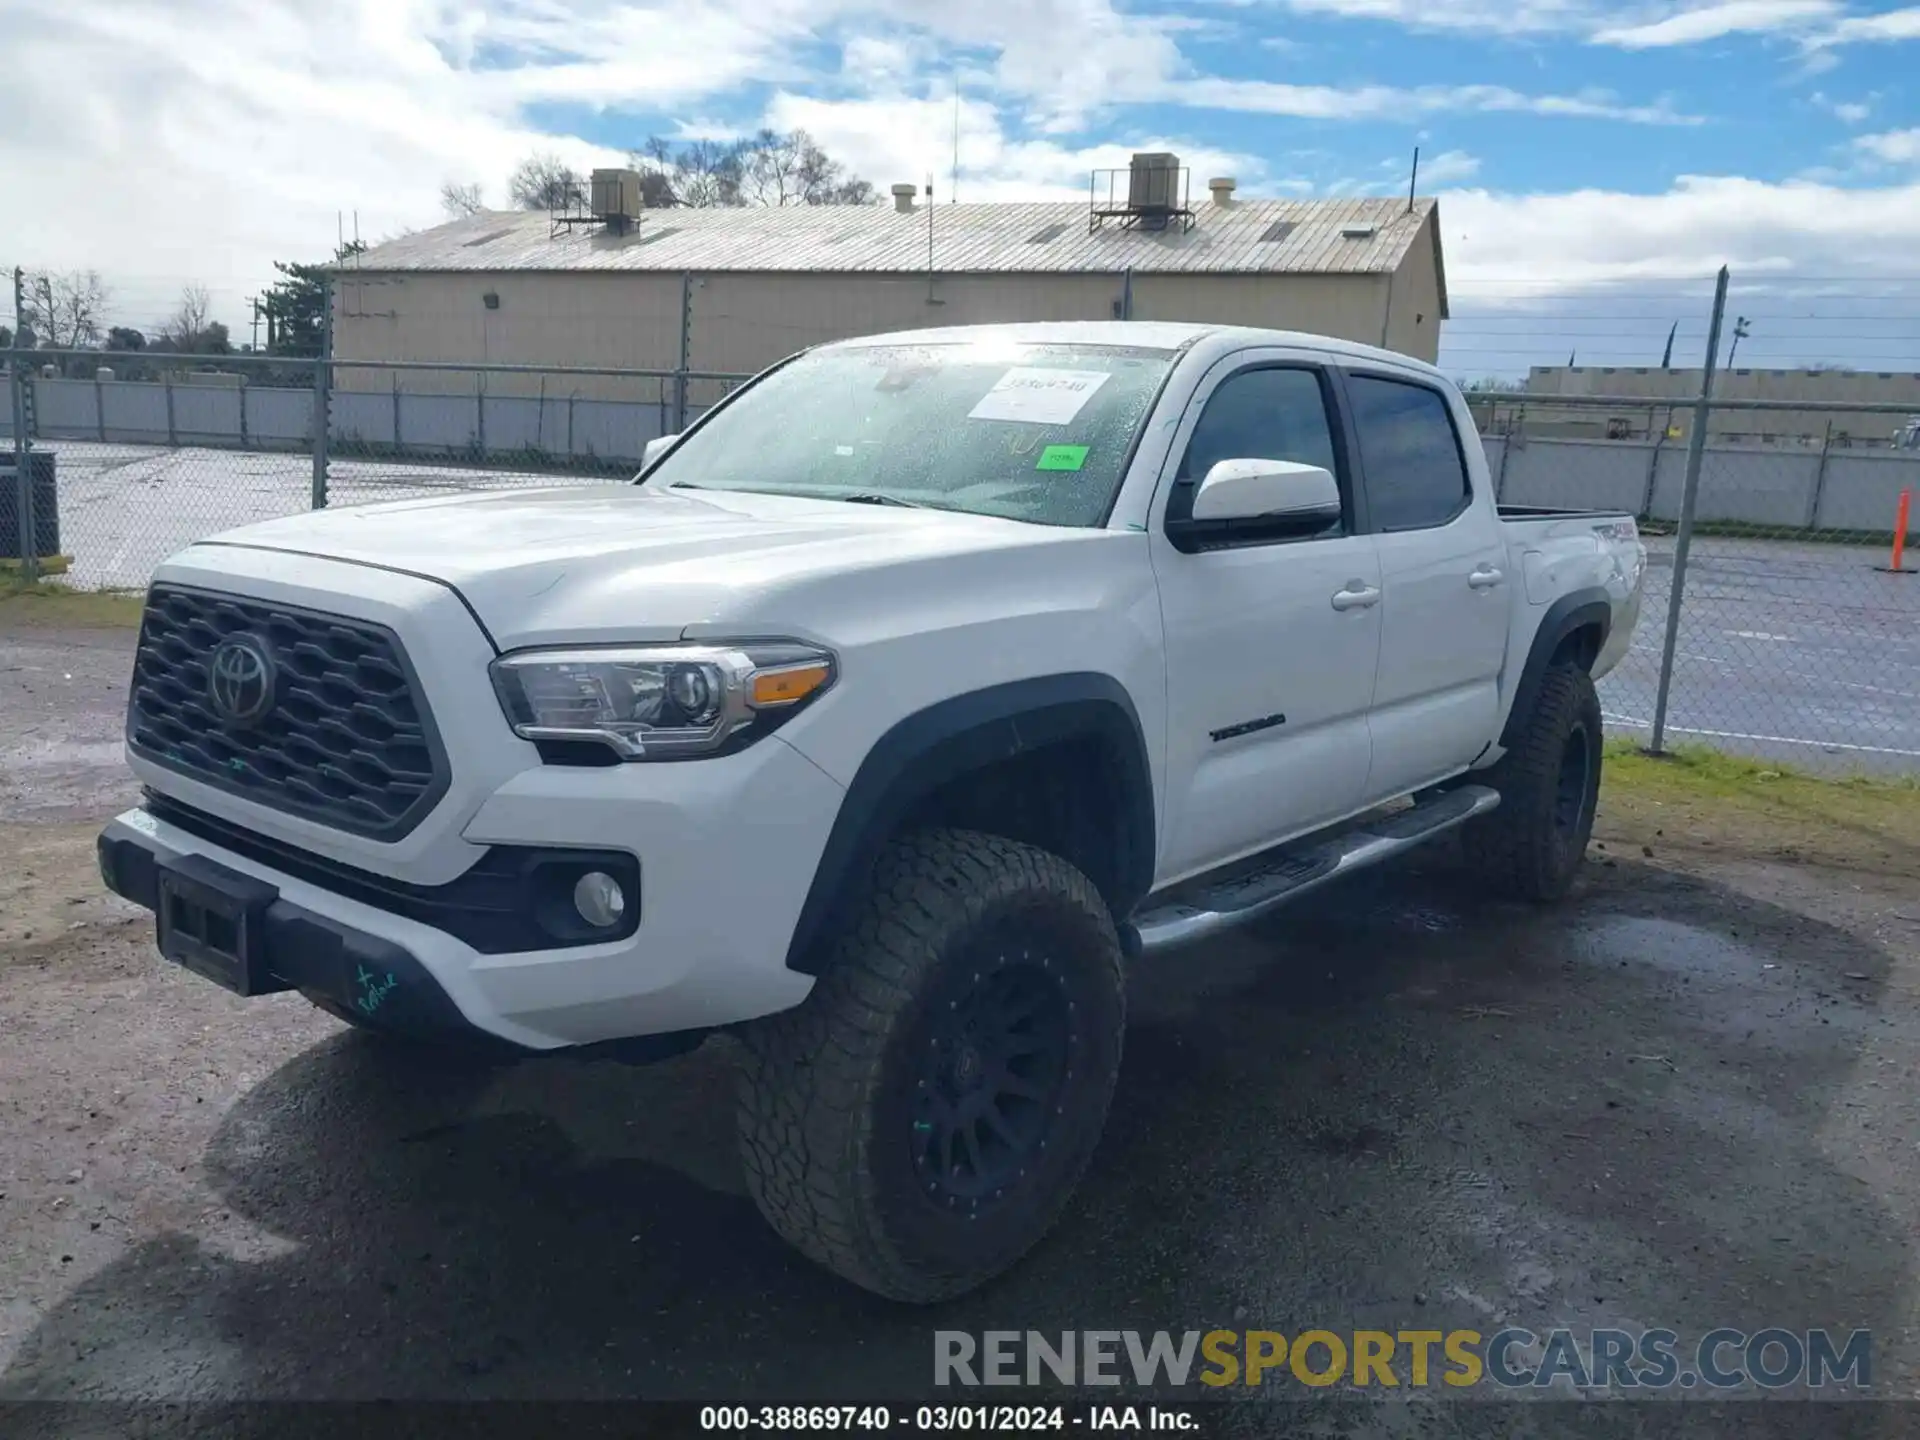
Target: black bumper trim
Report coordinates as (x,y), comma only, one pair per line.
(382,984)
(513,898)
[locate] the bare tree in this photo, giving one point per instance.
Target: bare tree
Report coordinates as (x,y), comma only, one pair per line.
(460,201)
(191,329)
(545,182)
(62,312)
(702,173)
(792,169)
(768,168)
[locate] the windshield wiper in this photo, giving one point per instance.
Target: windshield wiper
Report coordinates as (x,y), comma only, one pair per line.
(867,497)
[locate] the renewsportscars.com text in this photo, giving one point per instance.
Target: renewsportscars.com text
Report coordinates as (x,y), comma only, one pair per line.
(1513,1358)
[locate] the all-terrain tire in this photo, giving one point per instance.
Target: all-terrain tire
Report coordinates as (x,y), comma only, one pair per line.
(1549,783)
(852,1106)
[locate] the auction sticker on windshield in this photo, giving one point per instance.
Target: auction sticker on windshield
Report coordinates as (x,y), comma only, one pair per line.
(1038,397)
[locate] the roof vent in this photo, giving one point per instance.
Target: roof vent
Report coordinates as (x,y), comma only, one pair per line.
(1222,187)
(1359,230)
(903,198)
(615,198)
(1153,182)
(1051,232)
(1278,231)
(1156,194)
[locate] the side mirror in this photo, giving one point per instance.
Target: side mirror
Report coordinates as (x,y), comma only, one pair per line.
(1279,497)
(655,449)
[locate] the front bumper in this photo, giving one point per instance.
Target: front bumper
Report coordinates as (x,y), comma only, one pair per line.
(727,850)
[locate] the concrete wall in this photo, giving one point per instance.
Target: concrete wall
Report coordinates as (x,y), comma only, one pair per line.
(1748,484)
(744,321)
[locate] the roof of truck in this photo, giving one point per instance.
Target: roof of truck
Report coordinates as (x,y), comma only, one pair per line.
(1145,334)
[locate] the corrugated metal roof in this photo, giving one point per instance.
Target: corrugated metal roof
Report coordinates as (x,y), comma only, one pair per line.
(966,238)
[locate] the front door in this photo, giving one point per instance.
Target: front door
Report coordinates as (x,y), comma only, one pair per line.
(1271,645)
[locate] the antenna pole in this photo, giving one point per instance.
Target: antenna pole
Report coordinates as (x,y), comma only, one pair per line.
(953,189)
(929,237)
(1414,180)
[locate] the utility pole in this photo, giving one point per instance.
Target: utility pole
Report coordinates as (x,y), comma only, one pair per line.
(254,301)
(22,445)
(1689,499)
(1740,332)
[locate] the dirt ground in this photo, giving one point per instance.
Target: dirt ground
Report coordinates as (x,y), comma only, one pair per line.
(1684,1098)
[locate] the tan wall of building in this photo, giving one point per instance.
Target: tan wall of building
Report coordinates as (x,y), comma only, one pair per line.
(745,321)
(1413,304)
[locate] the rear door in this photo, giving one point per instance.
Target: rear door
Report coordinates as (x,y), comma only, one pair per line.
(1271,644)
(1443,619)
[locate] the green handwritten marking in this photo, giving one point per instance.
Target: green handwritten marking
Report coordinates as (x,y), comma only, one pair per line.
(1062,457)
(373,989)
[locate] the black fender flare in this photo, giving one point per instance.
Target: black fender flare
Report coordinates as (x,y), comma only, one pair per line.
(1572,611)
(967,732)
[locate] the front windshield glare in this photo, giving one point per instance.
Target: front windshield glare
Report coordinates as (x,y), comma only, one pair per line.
(1030,432)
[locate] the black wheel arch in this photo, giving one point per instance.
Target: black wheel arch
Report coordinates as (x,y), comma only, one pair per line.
(932,748)
(1588,609)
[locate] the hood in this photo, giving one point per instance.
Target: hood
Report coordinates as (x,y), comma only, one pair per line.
(630,561)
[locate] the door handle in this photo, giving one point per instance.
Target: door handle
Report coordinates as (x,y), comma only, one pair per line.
(1485,578)
(1356,596)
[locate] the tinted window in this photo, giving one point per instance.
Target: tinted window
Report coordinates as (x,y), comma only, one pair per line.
(1256,415)
(1415,477)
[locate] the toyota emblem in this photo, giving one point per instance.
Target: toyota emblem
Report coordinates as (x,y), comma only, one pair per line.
(240,680)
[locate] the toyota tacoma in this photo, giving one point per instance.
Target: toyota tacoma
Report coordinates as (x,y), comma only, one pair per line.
(891,714)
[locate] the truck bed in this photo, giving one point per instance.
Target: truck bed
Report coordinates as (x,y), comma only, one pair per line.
(1552,512)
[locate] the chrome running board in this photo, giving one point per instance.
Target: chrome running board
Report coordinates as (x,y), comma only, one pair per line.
(1206,906)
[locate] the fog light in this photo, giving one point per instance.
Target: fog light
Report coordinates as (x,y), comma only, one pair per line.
(599,899)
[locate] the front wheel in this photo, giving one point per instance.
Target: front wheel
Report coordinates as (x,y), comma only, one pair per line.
(1549,783)
(920,1121)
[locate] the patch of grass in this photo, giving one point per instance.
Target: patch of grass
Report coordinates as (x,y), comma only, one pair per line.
(1702,799)
(46,602)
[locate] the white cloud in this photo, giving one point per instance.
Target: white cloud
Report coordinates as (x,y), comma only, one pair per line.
(1519,246)
(1449,168)
(1523,17)
(196,141)
(1376,102)
(1713,22)
(1849,112)
(900,138)
(1889,25)
(1892,147)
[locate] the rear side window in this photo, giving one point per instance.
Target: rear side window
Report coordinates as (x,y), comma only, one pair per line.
(1266,414)
(1410,452)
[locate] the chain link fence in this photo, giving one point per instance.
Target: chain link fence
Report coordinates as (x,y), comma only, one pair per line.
(1795,638)
(134,457)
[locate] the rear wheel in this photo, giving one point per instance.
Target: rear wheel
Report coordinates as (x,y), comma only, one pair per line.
(1549,783)
(922,1119)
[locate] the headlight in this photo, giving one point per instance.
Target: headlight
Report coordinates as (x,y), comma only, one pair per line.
(655,701)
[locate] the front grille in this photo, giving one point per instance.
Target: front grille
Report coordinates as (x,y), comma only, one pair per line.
(319,716)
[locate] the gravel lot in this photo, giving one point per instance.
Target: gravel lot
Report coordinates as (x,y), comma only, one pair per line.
(1686,1098)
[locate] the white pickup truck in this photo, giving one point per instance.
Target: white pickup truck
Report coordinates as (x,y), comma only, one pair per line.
(896,709)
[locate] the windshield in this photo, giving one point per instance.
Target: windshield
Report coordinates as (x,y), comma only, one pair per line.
(1030,432)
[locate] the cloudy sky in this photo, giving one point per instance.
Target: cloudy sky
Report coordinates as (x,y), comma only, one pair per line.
(1589,156)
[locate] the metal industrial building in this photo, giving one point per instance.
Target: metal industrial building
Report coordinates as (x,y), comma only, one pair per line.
(1668,396)
(736,289)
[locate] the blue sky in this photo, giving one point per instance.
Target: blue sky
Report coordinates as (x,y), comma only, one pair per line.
(1592,159)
